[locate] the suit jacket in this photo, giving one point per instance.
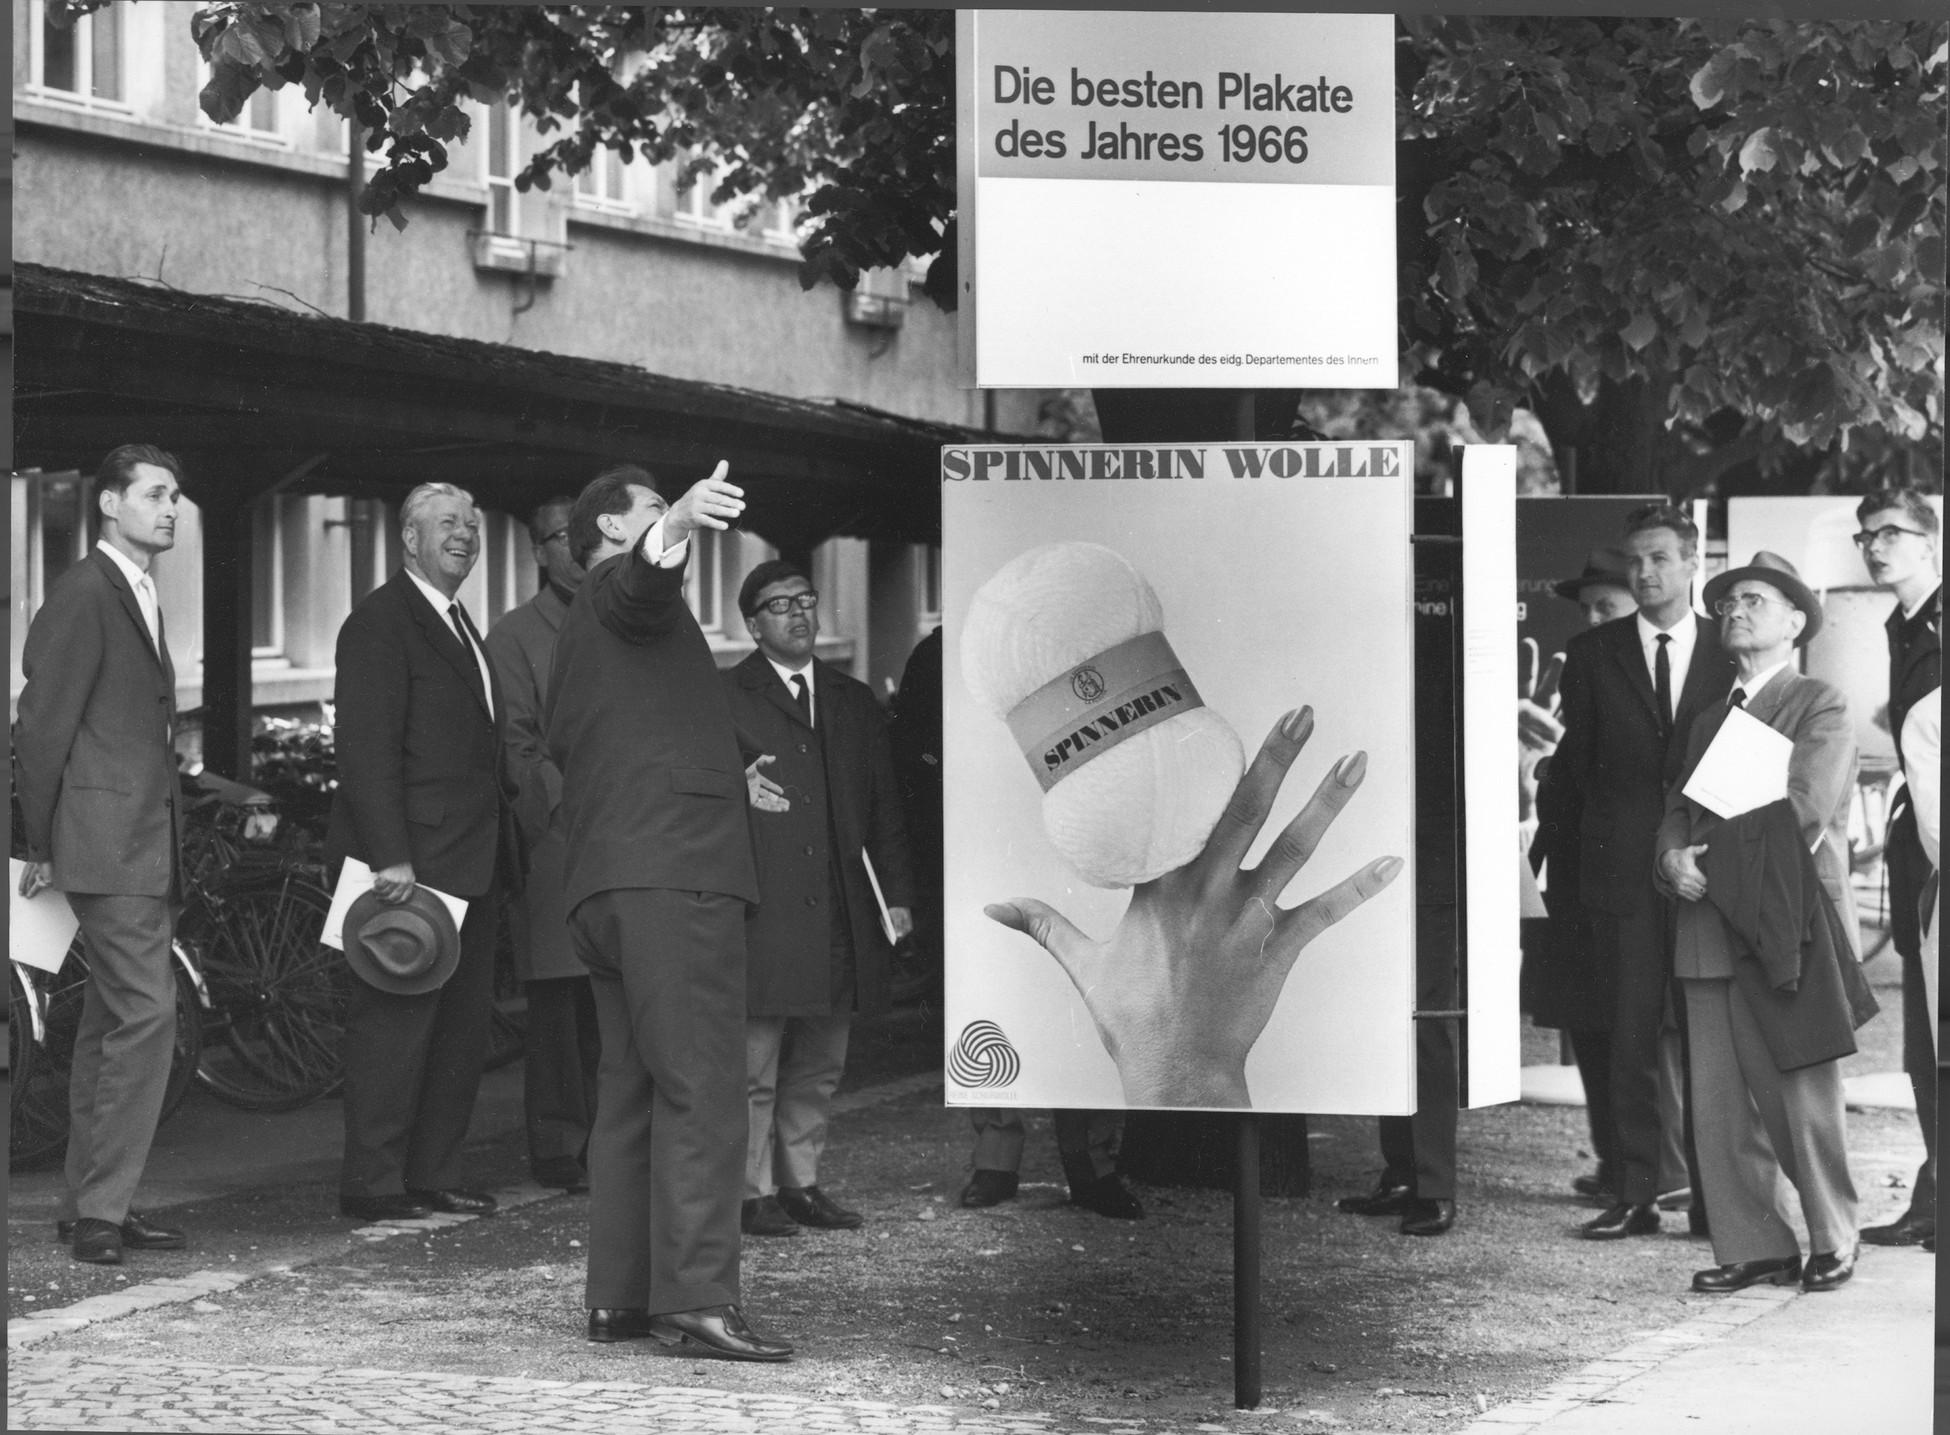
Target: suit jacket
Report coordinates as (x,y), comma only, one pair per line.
(839,775)
(1821,783)
(1617,759)
(653,782)
(421,773)
(94,757)
(522,648)
(1915,667)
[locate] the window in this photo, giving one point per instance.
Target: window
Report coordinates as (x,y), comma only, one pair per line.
(81,61)
(703,584)
(503,159)
(606,183)
(267,577)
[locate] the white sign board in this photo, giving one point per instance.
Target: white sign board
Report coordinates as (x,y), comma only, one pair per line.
(1124,628)
(1176,200)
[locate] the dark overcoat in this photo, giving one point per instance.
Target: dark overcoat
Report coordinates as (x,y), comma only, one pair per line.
(839,776)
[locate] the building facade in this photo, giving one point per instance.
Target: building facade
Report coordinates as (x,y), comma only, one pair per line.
(118,173)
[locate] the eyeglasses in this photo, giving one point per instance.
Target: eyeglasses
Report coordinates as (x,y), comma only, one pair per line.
(778,607)
(1746,602)
(559,534)
(1871,537)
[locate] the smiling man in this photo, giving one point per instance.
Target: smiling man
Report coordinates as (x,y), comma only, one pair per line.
(1898,540)
(96,767)
(423,797)
(1760,962)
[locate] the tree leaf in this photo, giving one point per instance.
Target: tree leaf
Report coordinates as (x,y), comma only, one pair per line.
(1759,152)
(1640,332)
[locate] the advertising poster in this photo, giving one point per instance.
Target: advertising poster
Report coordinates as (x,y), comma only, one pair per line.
(1176,200)
(1124,628)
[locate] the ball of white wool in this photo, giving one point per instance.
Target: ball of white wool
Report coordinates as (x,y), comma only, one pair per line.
(1146,805)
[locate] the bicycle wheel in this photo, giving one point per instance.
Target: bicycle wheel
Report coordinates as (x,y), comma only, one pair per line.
(21,1048)
(277,994)
(38,1133)
(183,1061)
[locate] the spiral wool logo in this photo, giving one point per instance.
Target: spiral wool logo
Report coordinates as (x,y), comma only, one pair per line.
(983,1057)
(1087,684)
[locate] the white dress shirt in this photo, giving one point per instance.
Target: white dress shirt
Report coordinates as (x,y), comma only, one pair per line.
(1679,653)
(145,592)
(441,605)
(786,675)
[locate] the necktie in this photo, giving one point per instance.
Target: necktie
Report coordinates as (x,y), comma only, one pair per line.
(1736,699)
(464,630)
(1662,681)
(803,697)
(145,591)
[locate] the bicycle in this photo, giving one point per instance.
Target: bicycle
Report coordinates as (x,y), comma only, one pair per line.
(43,1016)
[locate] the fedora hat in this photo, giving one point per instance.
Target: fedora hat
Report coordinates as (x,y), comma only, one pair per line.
(1775,571)
(406,948)
(1601,565)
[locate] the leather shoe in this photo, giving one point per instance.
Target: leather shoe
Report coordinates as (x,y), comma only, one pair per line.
(1777,1270)
(1598,1184)
(1388,1198)
(607,1326)
(1428,1218)
(397,1207)
(810,1206)
(1828,1269)
(988,1188)
(720,1330)
(1108,1196)
(764,1216)
(1617,1222)
(137,1234)
(566,1174)
(97,1242)
(456,1202)
(1899,1233)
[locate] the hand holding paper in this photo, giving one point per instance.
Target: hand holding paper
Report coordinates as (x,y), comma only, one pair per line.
(1186,984)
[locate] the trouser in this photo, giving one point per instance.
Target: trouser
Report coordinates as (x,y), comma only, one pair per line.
(1645,1012)
(1086,1141)
(413,1067)
(123,1046)
(667,1153)
(792,1068)
(1753,1123)
(1420,1150)
(1909,870)
(558,1076)
(1592,1052)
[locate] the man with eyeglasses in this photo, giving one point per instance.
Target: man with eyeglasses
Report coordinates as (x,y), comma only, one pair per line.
(560,1043)
(1898,540)
(1631,689)
(815,951)
(1765,948)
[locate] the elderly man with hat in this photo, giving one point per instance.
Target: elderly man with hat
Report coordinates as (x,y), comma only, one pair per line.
(1766,948)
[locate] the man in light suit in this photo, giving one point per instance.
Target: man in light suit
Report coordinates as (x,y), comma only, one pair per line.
(423,797)
(1754,1121)
(559,1047)
(659,877)
(96,772)
(814,950)
(1631,689)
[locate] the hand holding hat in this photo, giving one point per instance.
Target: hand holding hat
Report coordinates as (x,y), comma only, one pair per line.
(407,948)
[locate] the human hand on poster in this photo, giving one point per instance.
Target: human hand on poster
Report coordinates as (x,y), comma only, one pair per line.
(1538,729)
(1183,988)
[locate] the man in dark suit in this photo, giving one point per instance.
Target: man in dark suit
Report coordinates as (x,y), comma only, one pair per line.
(559,1046)
(1631,689)
(1898,537)
(814,950)
(659,877)
(1759,1113)
(96,773)
(423,797)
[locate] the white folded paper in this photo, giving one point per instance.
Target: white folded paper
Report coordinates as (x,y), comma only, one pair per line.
(355,880)
(879,899)
(39,929)
(1744,767)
